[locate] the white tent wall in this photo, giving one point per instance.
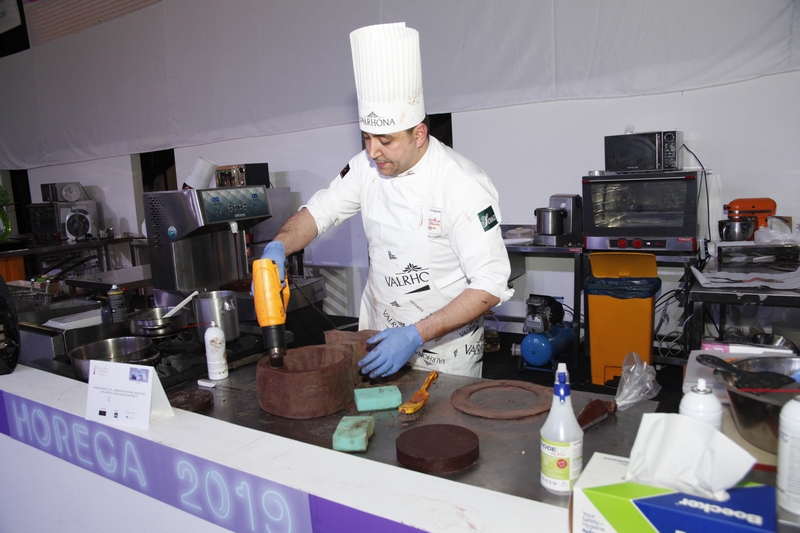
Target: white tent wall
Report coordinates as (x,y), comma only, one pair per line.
(187,72)
(533,89)
(745,133)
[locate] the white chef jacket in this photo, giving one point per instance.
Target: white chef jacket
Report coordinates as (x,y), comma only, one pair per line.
(432,232)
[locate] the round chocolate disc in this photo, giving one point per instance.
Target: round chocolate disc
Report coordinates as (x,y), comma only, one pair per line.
(437,448)
(192,400)
(503,399)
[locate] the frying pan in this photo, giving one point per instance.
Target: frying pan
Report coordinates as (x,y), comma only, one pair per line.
(151,322)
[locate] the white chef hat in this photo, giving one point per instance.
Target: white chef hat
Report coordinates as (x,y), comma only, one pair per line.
(388,72)
(201,176)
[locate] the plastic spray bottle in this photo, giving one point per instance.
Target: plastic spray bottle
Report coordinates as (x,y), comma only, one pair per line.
(561,440)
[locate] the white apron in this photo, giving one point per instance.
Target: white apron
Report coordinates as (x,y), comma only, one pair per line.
(399,290)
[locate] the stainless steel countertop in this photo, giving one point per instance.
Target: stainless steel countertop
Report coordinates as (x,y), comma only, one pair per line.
(134,277)
(509,449)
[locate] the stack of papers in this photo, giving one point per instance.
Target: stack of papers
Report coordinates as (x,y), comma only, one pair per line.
(78,320)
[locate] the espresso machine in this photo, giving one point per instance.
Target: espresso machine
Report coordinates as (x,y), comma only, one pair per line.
(196,238)
(561,223)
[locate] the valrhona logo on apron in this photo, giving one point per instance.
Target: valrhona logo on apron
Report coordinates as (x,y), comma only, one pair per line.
(413,278)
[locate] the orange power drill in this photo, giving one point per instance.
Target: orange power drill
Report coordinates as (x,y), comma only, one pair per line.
(271,297)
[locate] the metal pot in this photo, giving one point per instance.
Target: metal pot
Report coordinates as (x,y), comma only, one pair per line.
(218,307)
(117,350)
(737,230)
(550,221)
(757,416)
(151,322)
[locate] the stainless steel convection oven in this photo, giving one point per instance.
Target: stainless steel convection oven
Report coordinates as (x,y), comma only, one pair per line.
(649,212)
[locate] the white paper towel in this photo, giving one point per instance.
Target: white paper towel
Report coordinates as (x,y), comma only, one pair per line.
(677,452)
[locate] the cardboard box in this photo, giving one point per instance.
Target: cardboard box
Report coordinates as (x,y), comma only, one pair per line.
(603,503)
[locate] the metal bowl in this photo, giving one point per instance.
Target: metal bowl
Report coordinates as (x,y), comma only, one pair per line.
(117,350)
(774,341)
(737,230)
(757,416)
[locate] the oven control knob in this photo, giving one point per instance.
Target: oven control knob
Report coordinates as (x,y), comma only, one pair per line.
(637,243)
(622,243)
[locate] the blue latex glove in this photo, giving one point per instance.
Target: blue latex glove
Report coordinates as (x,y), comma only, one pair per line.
(275,251)
(394,347)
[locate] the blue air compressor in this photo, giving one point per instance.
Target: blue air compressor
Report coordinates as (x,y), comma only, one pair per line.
(548,335)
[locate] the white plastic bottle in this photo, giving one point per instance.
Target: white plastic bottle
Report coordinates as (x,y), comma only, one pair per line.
(561,440)
(788,483)
(702,404)
(216,358)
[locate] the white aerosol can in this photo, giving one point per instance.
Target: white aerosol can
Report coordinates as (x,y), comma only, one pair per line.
(216,358)
(561,440)
(702,404)
(789,457)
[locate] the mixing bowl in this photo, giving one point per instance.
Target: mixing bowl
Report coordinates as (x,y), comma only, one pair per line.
(757,415)
(737,230)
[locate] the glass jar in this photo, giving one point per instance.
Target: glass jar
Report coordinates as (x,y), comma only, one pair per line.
(491,333)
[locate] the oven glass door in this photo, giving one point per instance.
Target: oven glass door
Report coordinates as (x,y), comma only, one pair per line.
(651,205)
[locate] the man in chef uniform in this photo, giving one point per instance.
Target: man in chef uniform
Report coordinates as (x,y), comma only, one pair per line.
(431,217)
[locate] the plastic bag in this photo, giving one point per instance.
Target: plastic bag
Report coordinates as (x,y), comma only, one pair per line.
(767,236)
(637,383)
(623,288)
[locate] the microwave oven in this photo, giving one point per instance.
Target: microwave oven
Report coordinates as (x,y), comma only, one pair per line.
(646,212)
(644,152)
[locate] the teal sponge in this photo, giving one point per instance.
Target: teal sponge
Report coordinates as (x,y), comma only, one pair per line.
(353,433)
(377,398)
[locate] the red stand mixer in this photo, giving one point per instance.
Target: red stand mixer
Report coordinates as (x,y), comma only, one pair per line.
(745,216)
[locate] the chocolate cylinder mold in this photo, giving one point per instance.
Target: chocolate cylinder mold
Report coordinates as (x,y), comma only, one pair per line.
(314,381)
(356,341)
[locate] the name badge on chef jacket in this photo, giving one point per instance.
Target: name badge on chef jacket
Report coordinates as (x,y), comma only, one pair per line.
(434,221)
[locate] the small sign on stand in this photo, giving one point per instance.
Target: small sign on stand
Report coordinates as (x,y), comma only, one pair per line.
(125,395)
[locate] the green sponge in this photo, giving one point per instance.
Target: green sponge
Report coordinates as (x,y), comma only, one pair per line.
(377,398)
(353,433)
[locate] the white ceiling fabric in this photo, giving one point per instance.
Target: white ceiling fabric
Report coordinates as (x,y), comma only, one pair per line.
(189,72)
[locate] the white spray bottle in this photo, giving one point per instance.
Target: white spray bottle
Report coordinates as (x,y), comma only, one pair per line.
(561,440)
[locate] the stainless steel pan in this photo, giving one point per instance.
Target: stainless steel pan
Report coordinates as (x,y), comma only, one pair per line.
(151,322)
(117,349)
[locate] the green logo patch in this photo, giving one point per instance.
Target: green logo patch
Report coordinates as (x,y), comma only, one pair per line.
(488,218)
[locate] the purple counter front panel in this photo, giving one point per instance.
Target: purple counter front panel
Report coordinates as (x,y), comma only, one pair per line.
(224,496)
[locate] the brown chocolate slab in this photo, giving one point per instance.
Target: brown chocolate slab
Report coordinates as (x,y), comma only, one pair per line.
(192,400)
(503,399)
(437,448)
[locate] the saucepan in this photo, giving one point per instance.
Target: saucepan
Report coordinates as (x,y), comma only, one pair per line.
(134,350)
